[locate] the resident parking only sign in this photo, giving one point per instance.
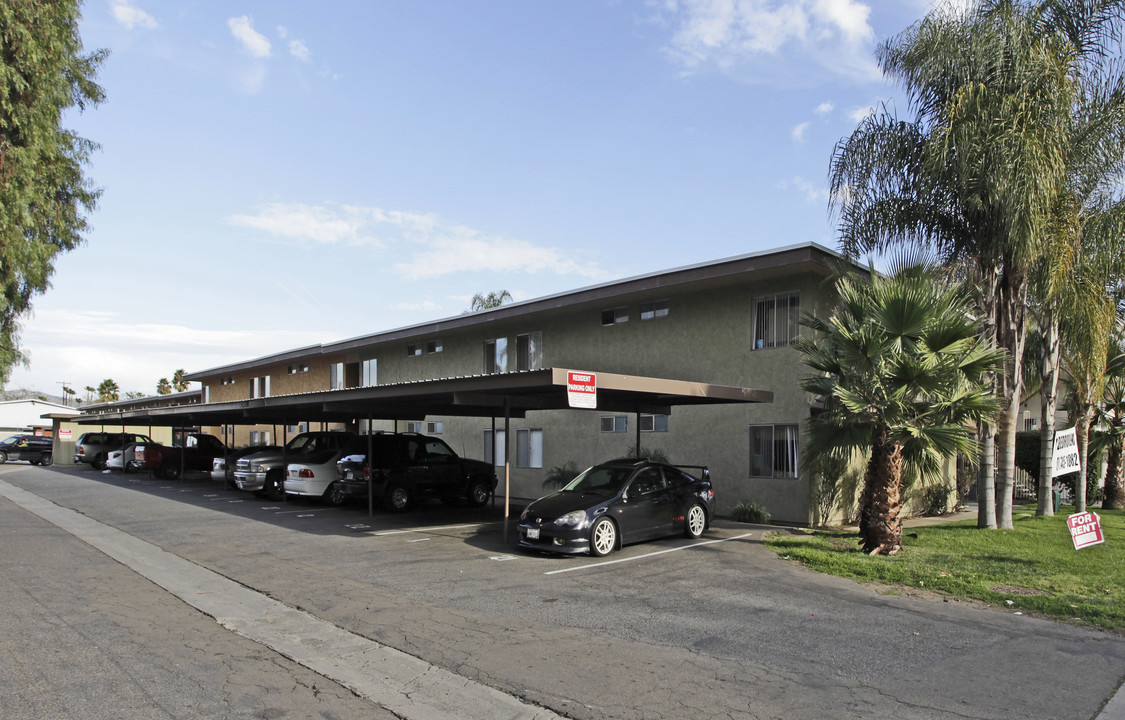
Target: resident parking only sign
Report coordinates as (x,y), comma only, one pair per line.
(582,390)
(1085,529)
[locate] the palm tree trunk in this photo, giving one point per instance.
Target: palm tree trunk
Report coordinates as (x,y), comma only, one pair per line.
(1011,316)
(1083,434)
(1114,498)
(884,520)
(1049,402)
(986,479)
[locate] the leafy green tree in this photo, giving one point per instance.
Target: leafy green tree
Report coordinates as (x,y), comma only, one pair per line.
(44,193)
(108,391)
(900,371)
(979,172)
(178,381)
(163,387)
(488,301)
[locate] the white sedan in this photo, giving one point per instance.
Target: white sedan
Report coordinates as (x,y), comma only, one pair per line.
(314,476)
(113,459)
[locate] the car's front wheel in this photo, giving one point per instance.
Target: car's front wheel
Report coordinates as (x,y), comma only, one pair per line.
(397,498)
(99,462)
(695,522)
(274,488)
(603,537)
(478,493)
(170,470)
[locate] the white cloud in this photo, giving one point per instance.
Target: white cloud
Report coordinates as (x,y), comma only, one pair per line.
(734,34)
(253,42)
(131,17)
(798,132)
(825,107)
(860,113)
(298,50)
(813,193)
(425,246)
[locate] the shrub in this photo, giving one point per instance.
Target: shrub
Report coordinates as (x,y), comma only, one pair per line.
(748,512)
(560,475)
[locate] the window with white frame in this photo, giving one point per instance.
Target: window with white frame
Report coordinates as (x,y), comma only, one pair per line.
(614,423)
(496,356)
(260,387)
(297,429)
(654,423)
(529,351)
(414,426)
(494,452)
(413,350)
(228,380)
(529,448)
(433,346)
(370,372)
(653,310)
(435,427)
(298,368)
(777,320)
(615,316)
(259,437)
(336,376)
(773,451)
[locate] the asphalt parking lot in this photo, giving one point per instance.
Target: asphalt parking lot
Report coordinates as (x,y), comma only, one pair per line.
(718,627)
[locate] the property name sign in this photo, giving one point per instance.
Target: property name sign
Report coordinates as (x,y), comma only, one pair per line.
(1067,459)
(582,390)
(1085,529)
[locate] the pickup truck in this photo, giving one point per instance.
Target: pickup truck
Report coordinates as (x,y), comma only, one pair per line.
(166,461)
(264,472)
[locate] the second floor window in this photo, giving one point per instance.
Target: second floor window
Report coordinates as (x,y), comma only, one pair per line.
(336,376)
(529,351)
(370,372)
(776,320)
(496,356)
(260,387)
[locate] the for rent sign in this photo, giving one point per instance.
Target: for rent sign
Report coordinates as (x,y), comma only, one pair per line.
(1067,459)
(1085,529)
(582,390)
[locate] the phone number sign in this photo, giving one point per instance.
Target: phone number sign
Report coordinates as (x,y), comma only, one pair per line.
(1085,529)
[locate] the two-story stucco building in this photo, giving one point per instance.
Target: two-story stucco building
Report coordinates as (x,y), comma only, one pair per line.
(727,322)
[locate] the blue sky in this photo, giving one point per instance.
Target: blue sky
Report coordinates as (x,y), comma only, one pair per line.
(280,173)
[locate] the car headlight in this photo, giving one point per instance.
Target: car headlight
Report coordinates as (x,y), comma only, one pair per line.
(571,519)
(257,468)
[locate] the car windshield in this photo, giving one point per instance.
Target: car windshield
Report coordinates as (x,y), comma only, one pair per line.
(600,480)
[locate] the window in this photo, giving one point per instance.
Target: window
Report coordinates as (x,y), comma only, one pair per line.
(370,371)
(773,451)
(497,449)
(651,310)
(228,381)
(529,448)
(433,346)
(260,387)
(529,351)
(414,426)
(615,423)
(654,423)
(298,368)
(776,320)
(297,429)
(615,316)
(496,356)
(413,350)
(435,428)
(259,437)
(336,376)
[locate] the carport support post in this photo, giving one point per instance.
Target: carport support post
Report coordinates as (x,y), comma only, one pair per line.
(507,463)
(370,471)
(637,446)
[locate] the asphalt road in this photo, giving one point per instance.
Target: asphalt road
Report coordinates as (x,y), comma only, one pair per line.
(667,629)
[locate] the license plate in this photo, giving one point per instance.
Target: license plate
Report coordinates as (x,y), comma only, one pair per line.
(533,533)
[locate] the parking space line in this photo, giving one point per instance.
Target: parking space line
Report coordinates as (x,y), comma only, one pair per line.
(291,512)
(429,529)
(646,555)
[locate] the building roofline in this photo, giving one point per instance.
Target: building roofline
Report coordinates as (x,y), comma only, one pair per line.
(663,279)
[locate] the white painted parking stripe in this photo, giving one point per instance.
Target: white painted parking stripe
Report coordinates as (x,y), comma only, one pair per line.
(646,555)
(429,529)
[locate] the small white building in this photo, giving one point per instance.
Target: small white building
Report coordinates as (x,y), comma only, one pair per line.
(22,416)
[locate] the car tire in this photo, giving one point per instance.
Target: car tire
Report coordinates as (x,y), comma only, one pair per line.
(397,497)
(170,470)
(274,488)
(3,457)
(335,494)
(99,462)
(603,537)
(478,493)
(47,460)
(695,521)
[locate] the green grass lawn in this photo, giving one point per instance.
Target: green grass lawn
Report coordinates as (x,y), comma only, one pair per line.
(1032,569)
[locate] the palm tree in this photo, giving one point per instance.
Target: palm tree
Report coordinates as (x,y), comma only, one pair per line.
(978,173)
(178,381)
(1111,417)
(488,301)
(900,373)
(163,387)
(108,391)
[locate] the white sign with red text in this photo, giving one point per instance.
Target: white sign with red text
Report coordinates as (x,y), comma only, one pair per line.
(1085,529)
(582,390)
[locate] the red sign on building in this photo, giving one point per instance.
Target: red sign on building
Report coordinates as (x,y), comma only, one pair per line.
(1085,529)
(582,390)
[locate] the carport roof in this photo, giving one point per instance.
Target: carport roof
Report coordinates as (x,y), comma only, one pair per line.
(475,396)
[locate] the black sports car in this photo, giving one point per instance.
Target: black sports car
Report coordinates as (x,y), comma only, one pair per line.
(618,502)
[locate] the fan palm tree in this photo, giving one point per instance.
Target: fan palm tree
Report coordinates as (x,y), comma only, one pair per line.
(978,173)
(900,370)
(1111,417)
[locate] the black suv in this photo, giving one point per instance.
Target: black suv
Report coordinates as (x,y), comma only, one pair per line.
(35,449)
(410,467)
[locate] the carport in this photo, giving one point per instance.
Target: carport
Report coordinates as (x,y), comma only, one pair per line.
(505,395)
